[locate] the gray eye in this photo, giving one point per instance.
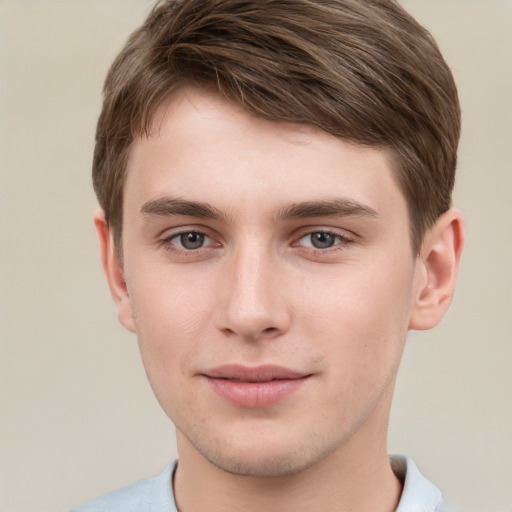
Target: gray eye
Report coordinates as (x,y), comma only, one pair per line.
(322,240)
(191,240)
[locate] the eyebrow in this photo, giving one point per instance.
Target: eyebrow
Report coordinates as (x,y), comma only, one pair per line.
(171,206)
(338,207)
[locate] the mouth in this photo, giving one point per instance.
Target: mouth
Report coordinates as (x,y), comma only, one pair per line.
(254,387)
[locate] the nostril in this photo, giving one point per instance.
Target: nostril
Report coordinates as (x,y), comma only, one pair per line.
(269,332)
(228,331)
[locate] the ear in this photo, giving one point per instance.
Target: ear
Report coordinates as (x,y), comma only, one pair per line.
(438,265)
(114,272)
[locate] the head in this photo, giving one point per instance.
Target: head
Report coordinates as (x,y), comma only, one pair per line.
(365,72)
(275,178)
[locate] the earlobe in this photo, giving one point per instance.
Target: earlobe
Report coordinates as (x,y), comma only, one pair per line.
(114,272)
(438,266)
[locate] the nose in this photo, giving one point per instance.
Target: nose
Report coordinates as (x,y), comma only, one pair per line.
(252,302)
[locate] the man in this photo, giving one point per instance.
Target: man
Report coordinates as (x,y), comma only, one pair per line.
(275,183)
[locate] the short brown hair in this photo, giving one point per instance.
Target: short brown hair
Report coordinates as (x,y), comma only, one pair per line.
(363,71)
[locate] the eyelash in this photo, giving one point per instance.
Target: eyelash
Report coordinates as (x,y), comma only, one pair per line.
(168,245)
(343,241)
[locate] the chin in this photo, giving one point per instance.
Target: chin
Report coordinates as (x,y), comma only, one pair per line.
(266,465)
(265,459)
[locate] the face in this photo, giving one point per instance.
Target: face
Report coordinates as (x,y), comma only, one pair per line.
(270,282)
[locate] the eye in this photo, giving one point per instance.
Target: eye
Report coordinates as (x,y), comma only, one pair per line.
(190,240)
(322,240)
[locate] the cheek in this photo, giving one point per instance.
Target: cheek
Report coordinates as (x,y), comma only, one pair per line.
(361,321)
(166,303)
(169,316)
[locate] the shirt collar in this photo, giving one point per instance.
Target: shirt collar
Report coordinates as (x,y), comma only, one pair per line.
(418,495)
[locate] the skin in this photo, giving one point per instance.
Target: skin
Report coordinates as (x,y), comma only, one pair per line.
(250,199)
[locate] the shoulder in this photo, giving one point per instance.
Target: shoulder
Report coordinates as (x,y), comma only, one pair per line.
(149,495)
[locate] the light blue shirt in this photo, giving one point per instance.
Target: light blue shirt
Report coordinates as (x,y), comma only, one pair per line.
(156,494)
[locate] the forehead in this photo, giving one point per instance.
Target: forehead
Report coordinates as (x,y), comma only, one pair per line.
(204,148)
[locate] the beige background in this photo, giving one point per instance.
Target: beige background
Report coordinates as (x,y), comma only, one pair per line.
(77,416)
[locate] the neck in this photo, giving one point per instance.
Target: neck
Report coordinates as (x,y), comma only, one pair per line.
(357,477)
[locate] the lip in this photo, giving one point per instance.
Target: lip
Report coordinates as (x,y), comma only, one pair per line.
(254,387)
